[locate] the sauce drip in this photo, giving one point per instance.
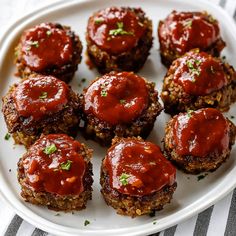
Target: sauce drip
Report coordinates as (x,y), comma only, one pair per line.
(199,73)
(44,172)
(116,98)
(40,96)
(45,46)
(182,31)
(201,133)
(102,24)
(138,168)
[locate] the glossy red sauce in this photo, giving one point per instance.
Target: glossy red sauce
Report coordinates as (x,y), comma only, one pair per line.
(103,22)
(45,46)
(199,73)
(43,171)
(40,96)
(182,31)
(147,169)
(201,133)
(117,97)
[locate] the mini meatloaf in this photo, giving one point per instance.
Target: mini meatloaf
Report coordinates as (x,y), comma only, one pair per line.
(48,49)
(40,105)
(197,80)
(56,172)
(136,178)
(183,31)
(198,141)
(119,39)
(119,104)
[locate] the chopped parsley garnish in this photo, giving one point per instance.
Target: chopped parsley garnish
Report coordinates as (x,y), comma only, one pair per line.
(154,222)
(188,24)
(189,113)
(232,117)
(103,93)
(66,165)
(224,58)
(200,177)
(43,95)
(122,101)
(7,136)
(211,19)
(152,213)
(49,33)
(98,21)
(83,80)
(193,69)
(50,149)
(120,30)
(124,178)
(86,222)
(34,43)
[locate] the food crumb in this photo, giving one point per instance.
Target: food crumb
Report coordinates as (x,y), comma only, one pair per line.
(86,222)
(200,177)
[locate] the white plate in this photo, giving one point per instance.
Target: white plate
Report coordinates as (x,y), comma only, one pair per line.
(191,196)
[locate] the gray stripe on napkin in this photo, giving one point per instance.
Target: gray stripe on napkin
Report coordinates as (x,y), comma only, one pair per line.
(170,231)
(13,226)
(39,232)
(202,222)
(230,229)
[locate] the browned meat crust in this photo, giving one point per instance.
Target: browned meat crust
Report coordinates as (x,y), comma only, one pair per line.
(65,72)
(103,133)
(57,202)
(131,60)
(194,164)
(26,132)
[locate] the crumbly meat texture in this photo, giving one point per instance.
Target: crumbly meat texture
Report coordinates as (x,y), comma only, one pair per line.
(168,56)
(131,205)
(57,202)
(193,164)
(103,133)
(176,100)
(26,132)
(65,72)
(131,60)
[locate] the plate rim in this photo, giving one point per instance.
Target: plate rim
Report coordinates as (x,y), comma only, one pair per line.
(51,227)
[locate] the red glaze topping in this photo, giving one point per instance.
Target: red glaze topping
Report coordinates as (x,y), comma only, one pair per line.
(182,31)
(199,73)
(116,98)
(40,96)
(138,168)
(60,171)
(201,133)
(115,30)
(45,46)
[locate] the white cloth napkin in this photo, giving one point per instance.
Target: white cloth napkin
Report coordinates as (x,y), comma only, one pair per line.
(217,220)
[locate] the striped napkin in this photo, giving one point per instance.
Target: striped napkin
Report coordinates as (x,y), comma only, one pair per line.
(217,220)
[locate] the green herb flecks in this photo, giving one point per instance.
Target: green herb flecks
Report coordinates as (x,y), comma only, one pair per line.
(98,20)
(83,80)
(124,179)
(104,89)
(189,113)
(43,95)
(211,19)
(49,32)
(122,101)
(66,165)
(7,136)
(50,149)
(200,177)
(232,117)
(187,23)
(103,93)
(34,43)
(154,222)
(193,67)
(120,30)
(152,213)
(86,222)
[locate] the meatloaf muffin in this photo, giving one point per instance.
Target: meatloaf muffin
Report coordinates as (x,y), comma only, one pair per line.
(198,141)
(119,39)
(183,31)
(40,105)
(130,181)
(48,49)
(56,172)
(119,104)
(197,80)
